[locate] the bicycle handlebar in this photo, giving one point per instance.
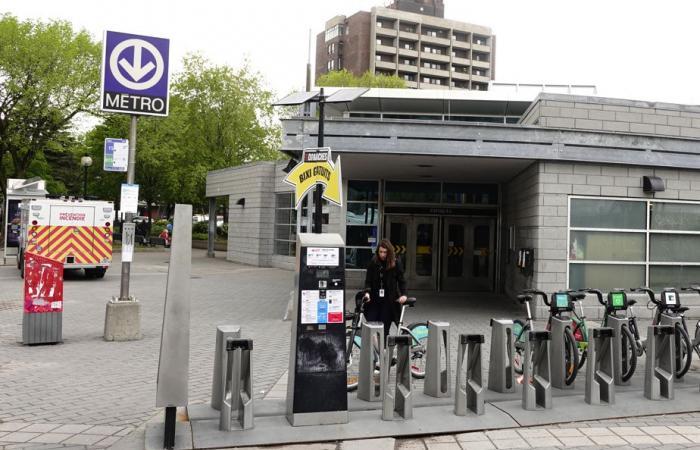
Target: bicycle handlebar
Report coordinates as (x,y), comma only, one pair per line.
(649,292)
(535,292)
(692,288)
(599,294)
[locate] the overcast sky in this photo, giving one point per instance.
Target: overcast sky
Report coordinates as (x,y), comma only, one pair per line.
(641,49)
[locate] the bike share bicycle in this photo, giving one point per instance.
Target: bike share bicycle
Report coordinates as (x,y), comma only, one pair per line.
(560,304)
(419,341)
(696,339)
(626,323)
(668,311)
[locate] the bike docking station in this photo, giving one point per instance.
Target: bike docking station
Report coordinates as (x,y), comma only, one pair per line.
(469,374)
(537,385)
(561,303)
(397,403)
(437,366)
(223,334)
(367,387)
(660,369)
(600,386)
(501,371)
(317,377)
(237,393)
(617,300)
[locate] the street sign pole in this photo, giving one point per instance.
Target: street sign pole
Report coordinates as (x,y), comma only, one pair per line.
(128,217)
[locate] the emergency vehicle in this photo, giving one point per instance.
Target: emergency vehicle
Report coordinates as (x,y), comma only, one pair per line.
(76,232)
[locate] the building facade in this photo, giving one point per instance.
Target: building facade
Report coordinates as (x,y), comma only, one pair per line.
(410,39)
(466,184)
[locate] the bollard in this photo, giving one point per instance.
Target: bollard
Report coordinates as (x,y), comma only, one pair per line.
(242,378)
(471,397)
(372,337)
(501,373)
(558,352)
(671,321)
(600,385)
(537,385)
(437,379)
(223,332)
(619,348)
(660,363)
(400,403)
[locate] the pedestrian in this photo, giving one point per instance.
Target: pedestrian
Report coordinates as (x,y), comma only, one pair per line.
(385,287)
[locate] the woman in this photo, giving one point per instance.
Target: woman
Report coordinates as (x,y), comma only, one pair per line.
(385,287)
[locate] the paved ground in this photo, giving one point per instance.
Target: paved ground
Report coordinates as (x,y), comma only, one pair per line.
(90,393)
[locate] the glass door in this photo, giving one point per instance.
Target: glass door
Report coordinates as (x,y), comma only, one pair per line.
(467,254)
(482,256)
(415,239)
(455,256)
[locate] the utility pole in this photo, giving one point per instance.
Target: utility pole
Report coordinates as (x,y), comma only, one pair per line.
(128,217)
(318,200)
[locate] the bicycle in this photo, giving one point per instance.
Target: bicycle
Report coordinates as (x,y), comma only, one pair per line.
(561,302)
(617,301)
(669,306)
(696,339)
(419,342)
(579,328)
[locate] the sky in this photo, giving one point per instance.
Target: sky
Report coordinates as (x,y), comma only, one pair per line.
(644,50)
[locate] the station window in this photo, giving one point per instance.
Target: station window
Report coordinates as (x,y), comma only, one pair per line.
(362,223)
(620,243)
(405,191)
(285,241)
(470,194)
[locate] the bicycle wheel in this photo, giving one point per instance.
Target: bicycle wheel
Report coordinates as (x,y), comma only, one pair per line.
(519,329)
(571,356)
(580,333)
(629,354)
(419,347)
(684,352)
(353,344)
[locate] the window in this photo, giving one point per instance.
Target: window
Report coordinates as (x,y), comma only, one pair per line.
(404,191)
(285,241)
(331,48)
(362,223)
(334,32)
(622,243)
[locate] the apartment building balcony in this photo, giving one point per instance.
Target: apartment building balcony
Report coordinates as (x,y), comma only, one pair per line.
(434,72)
(385,65)
(460,76)
(407,52)
(433,86)
(381,31)
(386,49)
(480,64)
(464,45)
(408,68)
(411,84)
(408,35)
(435,40)
(480,78)
(461,61)
(435,57)
(481,48)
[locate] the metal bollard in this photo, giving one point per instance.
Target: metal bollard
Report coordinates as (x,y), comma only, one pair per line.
(241,378)
(672,321)
(400,403)
(471,397)
(372,337)
(537,385)
(223,332)
(660,363)
(437,379)
(600,386)
(619,352)
(558,353)
(501,373)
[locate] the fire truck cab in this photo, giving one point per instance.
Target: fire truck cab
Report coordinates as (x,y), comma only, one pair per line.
(76,232)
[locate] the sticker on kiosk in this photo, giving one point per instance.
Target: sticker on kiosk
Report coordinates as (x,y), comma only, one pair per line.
(43,284)
(315,309)
(322,256)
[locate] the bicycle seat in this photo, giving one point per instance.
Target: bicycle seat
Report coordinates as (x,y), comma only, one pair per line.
(631,302)
(682,309)
(522,298)
(410,302)
(578,296)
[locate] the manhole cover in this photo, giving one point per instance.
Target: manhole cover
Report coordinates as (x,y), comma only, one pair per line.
(10,305)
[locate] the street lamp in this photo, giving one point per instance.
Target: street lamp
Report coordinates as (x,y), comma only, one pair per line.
(86,162)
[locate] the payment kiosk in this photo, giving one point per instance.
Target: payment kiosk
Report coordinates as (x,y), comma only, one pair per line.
(317,386)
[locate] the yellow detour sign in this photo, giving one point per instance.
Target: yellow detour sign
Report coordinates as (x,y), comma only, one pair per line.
(317,167)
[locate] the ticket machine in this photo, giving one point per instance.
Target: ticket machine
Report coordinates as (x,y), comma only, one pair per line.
(317,386)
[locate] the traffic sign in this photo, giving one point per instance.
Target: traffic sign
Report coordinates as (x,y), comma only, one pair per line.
(116,157)
(317,167)
(135,74)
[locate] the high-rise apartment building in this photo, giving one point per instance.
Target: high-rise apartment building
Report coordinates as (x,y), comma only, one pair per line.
(411,39)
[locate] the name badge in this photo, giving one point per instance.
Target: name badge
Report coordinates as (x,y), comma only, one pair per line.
(381,293)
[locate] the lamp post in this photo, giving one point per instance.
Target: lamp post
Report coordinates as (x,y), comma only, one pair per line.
(86,162)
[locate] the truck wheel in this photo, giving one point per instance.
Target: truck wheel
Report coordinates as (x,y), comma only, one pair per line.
(100,272)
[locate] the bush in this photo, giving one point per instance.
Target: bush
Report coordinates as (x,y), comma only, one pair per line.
(199,236)
(200,227)
(222,231)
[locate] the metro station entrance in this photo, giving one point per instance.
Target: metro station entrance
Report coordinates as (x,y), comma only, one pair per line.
(444,253)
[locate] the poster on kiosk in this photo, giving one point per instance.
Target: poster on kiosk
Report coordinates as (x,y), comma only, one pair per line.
(43,300)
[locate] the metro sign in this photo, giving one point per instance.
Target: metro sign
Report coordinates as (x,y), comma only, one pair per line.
(135,77)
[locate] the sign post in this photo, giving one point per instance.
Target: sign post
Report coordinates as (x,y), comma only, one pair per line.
(135,81)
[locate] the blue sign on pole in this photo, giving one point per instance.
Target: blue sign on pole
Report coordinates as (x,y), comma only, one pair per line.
(135,77)
(116,156)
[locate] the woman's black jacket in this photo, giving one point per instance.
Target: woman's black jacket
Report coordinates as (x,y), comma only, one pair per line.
(394,287)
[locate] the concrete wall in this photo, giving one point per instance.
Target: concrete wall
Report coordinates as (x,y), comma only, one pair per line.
(615,115)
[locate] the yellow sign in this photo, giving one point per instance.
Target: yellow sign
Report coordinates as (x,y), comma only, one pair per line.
(317,167)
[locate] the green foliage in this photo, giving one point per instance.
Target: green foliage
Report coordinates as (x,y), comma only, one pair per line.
(200,227)
(222,231)
(200,236)
(343,78)
(47,78)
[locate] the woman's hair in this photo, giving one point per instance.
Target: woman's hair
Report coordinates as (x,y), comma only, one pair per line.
(390,255)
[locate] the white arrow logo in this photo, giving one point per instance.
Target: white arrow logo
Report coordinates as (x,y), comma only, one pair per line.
(134,69)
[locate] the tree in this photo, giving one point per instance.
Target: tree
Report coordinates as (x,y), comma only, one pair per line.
(343,78)
(48,75)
